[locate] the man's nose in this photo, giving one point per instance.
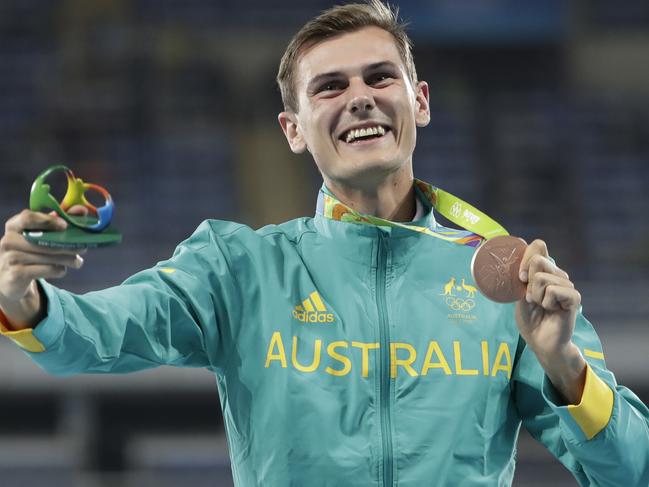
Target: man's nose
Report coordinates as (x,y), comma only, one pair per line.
(361,99)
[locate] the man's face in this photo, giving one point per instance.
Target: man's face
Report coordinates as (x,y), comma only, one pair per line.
(358,110)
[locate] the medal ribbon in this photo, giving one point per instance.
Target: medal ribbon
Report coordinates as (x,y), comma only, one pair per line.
(478,225)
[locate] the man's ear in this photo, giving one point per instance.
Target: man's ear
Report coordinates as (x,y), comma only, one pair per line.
(288,122)
(422,104)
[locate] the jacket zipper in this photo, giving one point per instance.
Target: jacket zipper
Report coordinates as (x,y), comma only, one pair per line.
(384,384)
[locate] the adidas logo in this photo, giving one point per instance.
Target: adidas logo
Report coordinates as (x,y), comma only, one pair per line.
(313,310)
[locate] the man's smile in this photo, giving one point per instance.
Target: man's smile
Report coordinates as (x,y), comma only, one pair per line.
(362,134)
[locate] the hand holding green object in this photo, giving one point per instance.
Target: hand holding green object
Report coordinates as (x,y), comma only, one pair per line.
(91,230)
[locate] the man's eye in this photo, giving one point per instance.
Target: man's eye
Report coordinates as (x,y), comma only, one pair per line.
(379,77)
(329,86)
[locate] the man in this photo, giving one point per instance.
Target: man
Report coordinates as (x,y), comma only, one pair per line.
(346,351)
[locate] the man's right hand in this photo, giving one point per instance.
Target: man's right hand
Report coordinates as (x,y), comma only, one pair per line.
(21,262)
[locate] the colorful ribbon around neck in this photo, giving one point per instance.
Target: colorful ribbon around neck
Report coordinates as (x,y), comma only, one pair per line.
(479,226)
(40,199)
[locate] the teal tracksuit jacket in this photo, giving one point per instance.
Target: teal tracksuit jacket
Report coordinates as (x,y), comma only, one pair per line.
(349,355)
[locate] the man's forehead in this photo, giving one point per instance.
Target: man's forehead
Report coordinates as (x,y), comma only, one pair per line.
(350,51)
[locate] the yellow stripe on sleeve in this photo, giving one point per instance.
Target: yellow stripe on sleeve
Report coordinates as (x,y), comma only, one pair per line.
(22,338)
(594,411)
(593,354)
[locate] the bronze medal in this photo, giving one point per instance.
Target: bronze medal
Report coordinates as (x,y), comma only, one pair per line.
(495,266)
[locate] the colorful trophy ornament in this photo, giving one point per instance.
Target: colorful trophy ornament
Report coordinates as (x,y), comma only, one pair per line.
(91,230)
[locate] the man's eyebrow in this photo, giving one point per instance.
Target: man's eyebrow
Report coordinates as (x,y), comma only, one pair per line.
(380,65)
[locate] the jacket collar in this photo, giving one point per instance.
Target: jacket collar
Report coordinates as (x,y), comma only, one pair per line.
(331,209)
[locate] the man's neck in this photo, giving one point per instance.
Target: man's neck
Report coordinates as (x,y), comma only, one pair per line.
(392,199)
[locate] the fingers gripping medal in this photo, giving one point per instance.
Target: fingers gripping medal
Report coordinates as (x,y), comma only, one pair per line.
(92,230)
(495,268)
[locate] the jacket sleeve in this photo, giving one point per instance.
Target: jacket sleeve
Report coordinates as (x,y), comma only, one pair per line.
(169,314)
(603,440)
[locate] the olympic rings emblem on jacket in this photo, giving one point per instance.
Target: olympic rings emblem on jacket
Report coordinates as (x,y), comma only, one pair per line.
(460,304)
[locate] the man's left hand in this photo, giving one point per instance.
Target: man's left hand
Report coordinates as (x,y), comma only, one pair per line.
(546,316)
(546,320)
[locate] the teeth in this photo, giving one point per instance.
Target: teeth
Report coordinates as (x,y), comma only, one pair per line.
(364,132)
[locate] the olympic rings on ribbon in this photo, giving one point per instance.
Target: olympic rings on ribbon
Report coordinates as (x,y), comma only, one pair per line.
(460,304)
(40,199)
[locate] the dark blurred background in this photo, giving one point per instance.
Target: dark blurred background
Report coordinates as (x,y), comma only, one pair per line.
(540,117)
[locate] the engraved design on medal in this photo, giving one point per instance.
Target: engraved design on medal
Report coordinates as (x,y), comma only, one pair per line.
(495,268)
(502,268)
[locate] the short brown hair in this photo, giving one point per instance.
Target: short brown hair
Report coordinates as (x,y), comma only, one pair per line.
(333,22)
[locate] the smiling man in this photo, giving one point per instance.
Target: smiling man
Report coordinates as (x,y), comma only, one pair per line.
(350,348)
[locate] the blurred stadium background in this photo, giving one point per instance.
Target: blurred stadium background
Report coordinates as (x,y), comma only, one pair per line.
(540,117)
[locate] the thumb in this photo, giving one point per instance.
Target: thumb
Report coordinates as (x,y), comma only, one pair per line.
(78,210)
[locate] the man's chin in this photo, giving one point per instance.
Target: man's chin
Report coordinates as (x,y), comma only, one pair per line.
(366,173)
